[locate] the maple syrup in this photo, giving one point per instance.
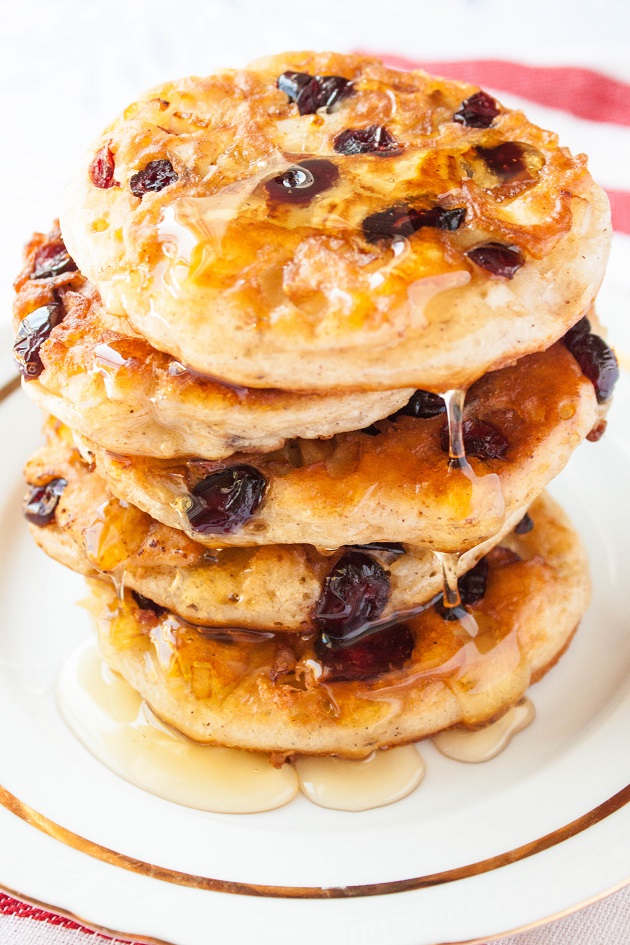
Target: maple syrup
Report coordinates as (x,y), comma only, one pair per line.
(113,722)
(487,742)
(116,726)
(486,494)
(382,778)
(110,719)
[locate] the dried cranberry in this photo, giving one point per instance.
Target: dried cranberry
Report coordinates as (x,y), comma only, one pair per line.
(505,160)
(53,259)
(34,330)
(354,593)
(597,432)
(145,603)
(102,169)
(226,499)
(383,651)
(502,556)
(40,503)
(497,258)
(472,585)
(581,328)
(478,111)
(450,613)
(301,183)
(402,220)
(389,547)
(422,404)
(481,439)
(525,525)
(597,361)
(472,589)
(155,176)
(375,138)
(313,92)
(292,83)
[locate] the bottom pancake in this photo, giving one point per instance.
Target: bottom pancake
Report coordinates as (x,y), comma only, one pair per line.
(289,693)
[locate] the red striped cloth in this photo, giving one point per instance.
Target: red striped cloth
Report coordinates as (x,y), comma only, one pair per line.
(9,906)
(583,93)
(22,910)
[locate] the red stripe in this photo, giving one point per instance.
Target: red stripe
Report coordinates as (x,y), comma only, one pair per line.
(582,92)
(10,906)
(620,206)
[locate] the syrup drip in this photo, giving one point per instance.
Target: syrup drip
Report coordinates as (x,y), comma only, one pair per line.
(423,290)
(485,498)
(454,400)
(108,362)
(449,562)
(482,496)
(382,778)
(451,598)
(115,533)
(488,742)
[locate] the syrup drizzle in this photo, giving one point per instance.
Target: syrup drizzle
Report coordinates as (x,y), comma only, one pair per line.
(108,362)
(450,588)
(192,237)
(454,400)
(486,498)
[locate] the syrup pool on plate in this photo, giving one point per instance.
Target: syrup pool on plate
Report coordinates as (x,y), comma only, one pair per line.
(486,743)
(113,722)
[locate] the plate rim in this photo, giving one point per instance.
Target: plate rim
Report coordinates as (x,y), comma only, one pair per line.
(389,887)
(136,939)
(30,817)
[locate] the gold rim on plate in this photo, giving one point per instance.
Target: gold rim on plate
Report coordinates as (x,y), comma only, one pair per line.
(177,877)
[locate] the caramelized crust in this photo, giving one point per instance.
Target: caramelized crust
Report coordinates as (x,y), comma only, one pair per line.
(110,385)
(258,289)
(269,694)
(269,587)
(395,486)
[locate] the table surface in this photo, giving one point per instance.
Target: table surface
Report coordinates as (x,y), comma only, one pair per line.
(67,67)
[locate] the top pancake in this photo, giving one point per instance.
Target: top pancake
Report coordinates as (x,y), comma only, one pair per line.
(243,275)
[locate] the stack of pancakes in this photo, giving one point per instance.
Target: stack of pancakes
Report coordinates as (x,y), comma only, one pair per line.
(313,338)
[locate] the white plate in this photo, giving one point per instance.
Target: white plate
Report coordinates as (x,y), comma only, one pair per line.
(477,851)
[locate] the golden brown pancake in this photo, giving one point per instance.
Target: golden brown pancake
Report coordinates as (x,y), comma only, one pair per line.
(111,386)
(283,693)
(359,488)
(259,588)
(367,232)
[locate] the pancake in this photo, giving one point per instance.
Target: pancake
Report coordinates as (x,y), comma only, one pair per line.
(359,488)
(110,385)
(283,693)
(428,235)
(260,588)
